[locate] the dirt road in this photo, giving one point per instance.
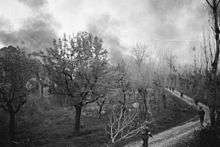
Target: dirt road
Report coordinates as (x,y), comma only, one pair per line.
(176,135)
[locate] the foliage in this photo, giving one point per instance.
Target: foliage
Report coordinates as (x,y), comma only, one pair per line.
(16,68)
(76,68)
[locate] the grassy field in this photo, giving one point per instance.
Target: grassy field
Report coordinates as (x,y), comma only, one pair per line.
(53,126)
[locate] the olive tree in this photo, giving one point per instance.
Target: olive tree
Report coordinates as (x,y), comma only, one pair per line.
(76,68)
(16,68)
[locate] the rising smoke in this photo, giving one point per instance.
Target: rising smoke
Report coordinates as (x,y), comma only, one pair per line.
(104,27)
(166,24)
(36,32)
(163,24)
(34,4)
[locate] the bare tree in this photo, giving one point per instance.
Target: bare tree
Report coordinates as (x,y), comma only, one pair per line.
(170,60)
(143,76)
(122,125)
(123,84)
(214,7)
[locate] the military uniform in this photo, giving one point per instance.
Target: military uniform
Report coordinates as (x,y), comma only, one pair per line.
(145,136)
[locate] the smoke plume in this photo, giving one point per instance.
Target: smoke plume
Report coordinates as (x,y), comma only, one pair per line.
(105,27)
(36,32)
(34,3)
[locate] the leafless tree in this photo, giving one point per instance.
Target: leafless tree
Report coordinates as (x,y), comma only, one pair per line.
(170,60)
(122,83)
(122,125)
(214,7)
(143,75)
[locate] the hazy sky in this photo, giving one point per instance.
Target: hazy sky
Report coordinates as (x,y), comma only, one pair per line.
(160,24)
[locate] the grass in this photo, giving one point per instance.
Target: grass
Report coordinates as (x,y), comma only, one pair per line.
(177,112)
(53,126)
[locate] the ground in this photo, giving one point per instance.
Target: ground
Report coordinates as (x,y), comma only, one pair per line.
(53,126)
(179,136)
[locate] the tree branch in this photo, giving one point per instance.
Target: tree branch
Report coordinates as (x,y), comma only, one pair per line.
(67,74)
(4,107)
(19,106)
(12,92)
(67,85)
(218,3)
(3,96)
(2,92)
(91,101)
(209,4)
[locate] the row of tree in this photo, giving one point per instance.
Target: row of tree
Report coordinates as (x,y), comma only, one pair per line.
(78,68)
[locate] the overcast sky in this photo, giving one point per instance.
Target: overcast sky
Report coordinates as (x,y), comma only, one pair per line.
(160,24)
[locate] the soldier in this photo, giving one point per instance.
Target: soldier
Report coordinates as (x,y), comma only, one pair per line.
(145,136)
(181,94)
(196,102)
(164,101)
(201,115)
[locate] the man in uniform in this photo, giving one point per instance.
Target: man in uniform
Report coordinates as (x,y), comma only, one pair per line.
(145,136)
(201,115)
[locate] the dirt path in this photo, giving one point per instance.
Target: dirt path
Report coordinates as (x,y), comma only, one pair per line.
(179,134)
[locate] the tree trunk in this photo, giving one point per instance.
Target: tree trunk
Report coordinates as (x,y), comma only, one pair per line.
(164,102)
(145,107)
(215,66)
(143,94)
(124,101)
(100,110)
(12,125)
(41,89)
(149,108)
(212,116)
(77,118)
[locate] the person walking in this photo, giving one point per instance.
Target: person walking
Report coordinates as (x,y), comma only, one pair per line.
(181,94)
(145,136)
(201,115)
(164,101)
